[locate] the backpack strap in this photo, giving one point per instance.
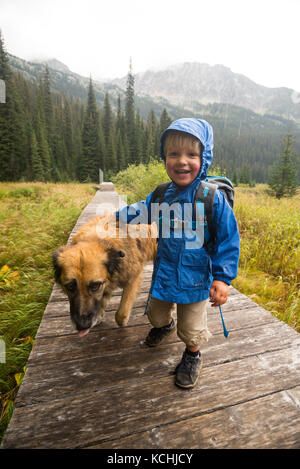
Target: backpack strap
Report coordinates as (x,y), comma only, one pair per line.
(159,192)
(206,194)
(224,185)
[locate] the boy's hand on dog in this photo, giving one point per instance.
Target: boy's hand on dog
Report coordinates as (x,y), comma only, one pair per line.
(218,293)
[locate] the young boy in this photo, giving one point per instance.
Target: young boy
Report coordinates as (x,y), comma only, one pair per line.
(184,274)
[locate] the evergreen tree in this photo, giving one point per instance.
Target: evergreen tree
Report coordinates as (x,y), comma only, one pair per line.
(5,111)
(68,130)
(145,151)
(44,152)
(111,155)
(12,136)
(235,179)
(153,135)
(62,168)
(92,153)
(78,119)
(36,163)
(126,150)
(39,126)
(121,159)
(107,119)
(245,176)
(69,139)
(283,181)
(119,114)
(122,142)
(27,174)
(139,131)
(130,116)
(17,131)
(102,149)
(25,103)
(165,121)
(48,106)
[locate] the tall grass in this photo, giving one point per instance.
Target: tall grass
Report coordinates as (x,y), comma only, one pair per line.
(269,269)
(35,218)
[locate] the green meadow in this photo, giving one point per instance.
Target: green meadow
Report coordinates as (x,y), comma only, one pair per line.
(36,218)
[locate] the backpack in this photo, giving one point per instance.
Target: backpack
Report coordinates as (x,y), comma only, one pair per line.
(205,194)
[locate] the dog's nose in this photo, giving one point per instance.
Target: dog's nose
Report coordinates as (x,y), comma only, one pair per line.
(86,320)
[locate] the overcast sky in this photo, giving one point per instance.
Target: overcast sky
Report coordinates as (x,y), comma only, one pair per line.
(257,38)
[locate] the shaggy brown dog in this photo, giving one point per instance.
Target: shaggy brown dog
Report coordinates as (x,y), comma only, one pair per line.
(102,257)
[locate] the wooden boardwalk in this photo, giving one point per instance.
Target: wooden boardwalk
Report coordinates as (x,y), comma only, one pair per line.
(106,390)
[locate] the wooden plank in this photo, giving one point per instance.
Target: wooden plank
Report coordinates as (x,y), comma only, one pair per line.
(59,311)
(235,302)
(271,422)
(103,340)
(60,324)
(130,416)
(59,378)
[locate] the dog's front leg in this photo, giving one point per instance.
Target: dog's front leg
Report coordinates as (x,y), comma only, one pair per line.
(103,303)
(128,297)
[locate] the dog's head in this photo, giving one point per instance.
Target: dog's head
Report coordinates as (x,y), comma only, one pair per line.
(85,270)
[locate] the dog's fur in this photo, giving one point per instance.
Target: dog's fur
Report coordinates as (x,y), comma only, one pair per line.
(93,266)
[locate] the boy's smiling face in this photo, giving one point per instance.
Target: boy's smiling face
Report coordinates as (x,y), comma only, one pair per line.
(183,161)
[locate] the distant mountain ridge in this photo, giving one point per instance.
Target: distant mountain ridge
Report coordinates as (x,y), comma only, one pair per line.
(188,86)
(63,80)
(193,83)
(55,64)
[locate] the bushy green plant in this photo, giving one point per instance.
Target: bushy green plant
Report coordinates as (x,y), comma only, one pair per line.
(137,181)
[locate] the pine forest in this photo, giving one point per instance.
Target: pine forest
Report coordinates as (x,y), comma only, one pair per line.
(47,135)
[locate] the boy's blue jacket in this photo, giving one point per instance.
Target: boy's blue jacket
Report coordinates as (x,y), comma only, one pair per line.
(183,271)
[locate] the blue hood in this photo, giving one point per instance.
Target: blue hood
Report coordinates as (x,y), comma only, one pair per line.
(200,129)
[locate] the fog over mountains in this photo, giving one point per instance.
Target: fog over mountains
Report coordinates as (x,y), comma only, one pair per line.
(185,86)
(188,84)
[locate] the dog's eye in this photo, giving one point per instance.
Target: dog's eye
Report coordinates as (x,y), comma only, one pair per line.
(71,286)
(94,286)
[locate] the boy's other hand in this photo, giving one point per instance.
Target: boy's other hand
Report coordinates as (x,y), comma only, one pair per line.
(218,293)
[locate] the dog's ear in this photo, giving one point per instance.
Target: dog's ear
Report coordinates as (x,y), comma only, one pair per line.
(113,260)
(55,261)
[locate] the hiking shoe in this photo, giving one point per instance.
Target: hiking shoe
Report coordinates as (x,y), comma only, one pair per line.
(158,334)
(188,370)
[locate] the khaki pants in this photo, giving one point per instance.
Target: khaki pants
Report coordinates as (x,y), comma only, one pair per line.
(191,319)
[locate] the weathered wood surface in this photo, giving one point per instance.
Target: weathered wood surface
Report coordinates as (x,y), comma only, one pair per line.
(107,390)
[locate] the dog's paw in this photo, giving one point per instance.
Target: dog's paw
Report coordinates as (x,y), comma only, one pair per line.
(100,317)
(121,320)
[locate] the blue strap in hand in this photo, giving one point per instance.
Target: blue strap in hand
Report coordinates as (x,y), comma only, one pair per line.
(226,333)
